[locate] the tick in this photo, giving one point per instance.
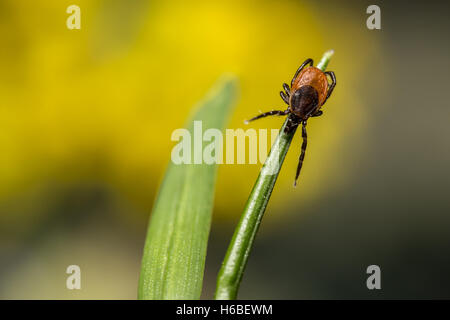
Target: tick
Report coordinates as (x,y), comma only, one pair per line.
(309,91)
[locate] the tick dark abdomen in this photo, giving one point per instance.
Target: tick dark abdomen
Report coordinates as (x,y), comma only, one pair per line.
(304,101)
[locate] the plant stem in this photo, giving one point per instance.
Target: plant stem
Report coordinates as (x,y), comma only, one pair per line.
(236,258)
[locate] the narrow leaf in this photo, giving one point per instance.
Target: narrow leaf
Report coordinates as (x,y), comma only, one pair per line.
(175,247)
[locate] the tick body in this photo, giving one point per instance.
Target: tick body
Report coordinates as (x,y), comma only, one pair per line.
(308,92)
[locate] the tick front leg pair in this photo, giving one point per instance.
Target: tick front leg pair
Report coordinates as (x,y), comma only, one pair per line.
(307,61)
(285,95)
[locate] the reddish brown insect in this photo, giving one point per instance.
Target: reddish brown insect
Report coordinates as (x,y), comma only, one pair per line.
(308,93)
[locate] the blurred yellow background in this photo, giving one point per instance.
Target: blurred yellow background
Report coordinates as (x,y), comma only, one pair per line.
(95,108)
(99,104)
(86,118)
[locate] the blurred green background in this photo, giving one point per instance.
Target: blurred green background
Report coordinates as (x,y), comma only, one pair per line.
(86,118)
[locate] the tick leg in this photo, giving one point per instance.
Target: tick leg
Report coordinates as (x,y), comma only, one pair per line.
(270,113)
(302,154)
(333,84)
(310,61)
(292,123)
(284,97)
(287,89)
(317,114)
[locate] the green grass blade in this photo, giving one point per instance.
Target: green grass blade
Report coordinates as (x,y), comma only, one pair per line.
(233,266)
(175,247)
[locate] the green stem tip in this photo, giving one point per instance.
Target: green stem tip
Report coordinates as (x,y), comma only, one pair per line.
(323,63)
(233,266)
